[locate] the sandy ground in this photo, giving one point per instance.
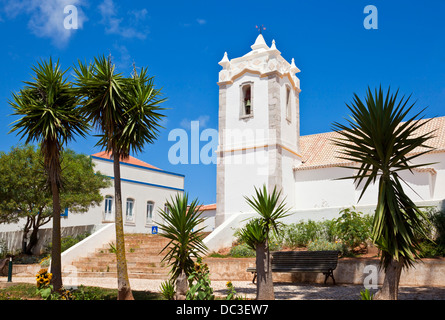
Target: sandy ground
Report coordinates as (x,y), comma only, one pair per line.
(283,291)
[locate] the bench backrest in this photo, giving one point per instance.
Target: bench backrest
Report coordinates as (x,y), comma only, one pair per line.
(304,260)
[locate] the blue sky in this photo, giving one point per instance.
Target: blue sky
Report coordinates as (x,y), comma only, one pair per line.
(181,42)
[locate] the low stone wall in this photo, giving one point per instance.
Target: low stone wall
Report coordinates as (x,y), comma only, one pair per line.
(14,239)
(428,272)
(25,270)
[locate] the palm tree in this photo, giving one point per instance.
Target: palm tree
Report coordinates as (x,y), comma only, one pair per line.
(383,145)
(49,116)
(257,234)
(126,113)
(181,222)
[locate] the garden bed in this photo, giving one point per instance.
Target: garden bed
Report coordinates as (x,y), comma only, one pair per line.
(350,270)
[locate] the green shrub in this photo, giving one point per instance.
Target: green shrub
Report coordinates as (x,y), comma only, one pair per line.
(242,250)
(297,235)
(438,234)
(430,249)
(69,241)
(322,245)
(353,228)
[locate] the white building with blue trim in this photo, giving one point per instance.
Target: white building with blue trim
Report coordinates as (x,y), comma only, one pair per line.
(145,191)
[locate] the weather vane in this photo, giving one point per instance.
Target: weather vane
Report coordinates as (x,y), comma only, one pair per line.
(261,28)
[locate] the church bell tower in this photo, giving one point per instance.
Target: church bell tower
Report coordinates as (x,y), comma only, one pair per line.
(259,124)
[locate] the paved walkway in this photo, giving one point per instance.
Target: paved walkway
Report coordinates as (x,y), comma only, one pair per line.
(283,291)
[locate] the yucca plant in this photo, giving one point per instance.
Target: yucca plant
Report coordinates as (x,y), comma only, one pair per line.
(180,225)
(256,233)
(253,233)
(49,116)
(366,295)
(125,111)
(167,289)
(382,144)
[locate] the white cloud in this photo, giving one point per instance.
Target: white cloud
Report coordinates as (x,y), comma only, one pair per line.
(139,15)
(203,122)
(46,18)
(201,21)
(113,24)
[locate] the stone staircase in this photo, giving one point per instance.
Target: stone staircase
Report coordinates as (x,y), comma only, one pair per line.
(142,254)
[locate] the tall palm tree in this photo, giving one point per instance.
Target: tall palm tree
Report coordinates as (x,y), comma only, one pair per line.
(270,208)
(383,145)
(125,111)
(50,116)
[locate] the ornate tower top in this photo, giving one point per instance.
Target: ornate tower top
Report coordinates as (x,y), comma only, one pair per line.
(262,60)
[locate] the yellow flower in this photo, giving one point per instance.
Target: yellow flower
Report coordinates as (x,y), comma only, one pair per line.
(43,271)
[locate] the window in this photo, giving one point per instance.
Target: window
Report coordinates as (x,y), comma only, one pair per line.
(246,100)
(108,208)
(150,207)
(129,213)
(288,104)
(108,204)
(166,210)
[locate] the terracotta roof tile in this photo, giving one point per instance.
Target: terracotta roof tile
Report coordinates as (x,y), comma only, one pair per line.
(130,160)
(318,151)
(207,207)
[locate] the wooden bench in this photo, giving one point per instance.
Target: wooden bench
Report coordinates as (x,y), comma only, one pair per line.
(303,261)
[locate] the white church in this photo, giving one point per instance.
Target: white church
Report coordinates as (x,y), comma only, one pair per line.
(259,143)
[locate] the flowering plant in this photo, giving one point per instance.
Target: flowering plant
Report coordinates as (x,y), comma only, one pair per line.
(45,288)
(43,278)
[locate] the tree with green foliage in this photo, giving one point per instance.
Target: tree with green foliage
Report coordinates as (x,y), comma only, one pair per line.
(49,115)
(180,225)
(257,233)
(383,145)
(126,113)
(24,192)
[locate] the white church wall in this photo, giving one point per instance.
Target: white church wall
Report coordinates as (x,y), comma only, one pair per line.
(289,126)
(288,182)
(209,222)
(241,176)
(319,188)
(437,181)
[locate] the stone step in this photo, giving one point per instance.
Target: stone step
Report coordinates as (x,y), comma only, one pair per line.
(144,260)
(136,245)
(112,258)
(146,251)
